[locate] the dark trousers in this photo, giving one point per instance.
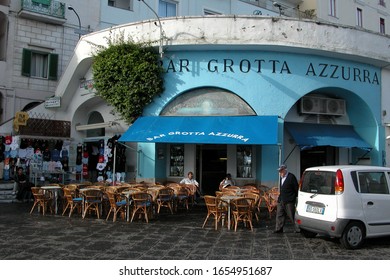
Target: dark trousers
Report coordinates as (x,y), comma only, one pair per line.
(284,209)
(24,191)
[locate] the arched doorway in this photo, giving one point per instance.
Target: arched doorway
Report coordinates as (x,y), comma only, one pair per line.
(211,162)
(92,143)
(328,127)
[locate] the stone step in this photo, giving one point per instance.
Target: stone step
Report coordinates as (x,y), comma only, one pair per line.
(6,189)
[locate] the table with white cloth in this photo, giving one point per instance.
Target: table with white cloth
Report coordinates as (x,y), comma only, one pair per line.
(55,190)
(228,199)
(128,194)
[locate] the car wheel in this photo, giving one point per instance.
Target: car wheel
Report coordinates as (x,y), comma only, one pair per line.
(308,234)
(353,236)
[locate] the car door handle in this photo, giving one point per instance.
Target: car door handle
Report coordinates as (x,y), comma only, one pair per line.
(370,203)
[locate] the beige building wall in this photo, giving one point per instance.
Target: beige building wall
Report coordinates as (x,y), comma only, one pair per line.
(346,12)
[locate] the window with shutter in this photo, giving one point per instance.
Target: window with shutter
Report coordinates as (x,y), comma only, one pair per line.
(26,63)
(53,66)
(37,64)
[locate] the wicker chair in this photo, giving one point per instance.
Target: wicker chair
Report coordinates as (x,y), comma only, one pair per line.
(271,200)
(92,201)
(242,211)
(192,192)
(215,208)
(165,199)
(118,204)
(73,201)
(255,204)
(182,195)
(41,200)
(142,205)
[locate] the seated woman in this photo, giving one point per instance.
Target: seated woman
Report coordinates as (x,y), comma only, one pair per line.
(227,181)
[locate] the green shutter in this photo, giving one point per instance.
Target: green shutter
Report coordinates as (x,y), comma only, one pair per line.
(26,63)
(53,66)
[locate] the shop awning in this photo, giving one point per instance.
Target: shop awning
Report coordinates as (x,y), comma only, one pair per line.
(259,130)
(313,135)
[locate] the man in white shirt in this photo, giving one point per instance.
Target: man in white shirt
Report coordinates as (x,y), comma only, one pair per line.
(190,180)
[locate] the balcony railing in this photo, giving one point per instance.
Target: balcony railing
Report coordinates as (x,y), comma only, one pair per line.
(45,10)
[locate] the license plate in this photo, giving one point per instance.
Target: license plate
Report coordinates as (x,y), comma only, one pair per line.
(315,209)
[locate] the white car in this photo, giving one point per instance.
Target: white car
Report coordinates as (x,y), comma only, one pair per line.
(349,202)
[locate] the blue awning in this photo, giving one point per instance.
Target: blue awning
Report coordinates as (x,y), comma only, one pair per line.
(258,130)
(313,135)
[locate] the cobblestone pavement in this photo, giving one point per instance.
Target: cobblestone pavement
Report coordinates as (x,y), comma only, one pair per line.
(167,237)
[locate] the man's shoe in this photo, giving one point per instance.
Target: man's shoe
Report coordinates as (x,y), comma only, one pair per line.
(278,231)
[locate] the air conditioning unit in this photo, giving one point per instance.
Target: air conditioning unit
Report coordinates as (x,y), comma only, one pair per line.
(322,106)
(335,107)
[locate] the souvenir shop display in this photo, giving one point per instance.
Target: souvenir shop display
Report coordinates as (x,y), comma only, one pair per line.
(38,157)
(49,160)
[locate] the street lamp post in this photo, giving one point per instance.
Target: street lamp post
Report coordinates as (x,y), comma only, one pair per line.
(160,49)
(279,6)
(72,9)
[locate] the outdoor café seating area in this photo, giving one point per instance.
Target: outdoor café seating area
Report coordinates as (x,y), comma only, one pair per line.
(235,206)
(127,201)
(230,207)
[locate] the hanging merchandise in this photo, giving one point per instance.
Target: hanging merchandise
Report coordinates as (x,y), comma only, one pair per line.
(100,171)
(1,149)
(101,165)
(8,140)
(79,157)
(101,151)
(46,154)
(64,155)
(15,146)
(55,155)
(6,175)
(37,159)
(109,173)
(85,162)
(108,154)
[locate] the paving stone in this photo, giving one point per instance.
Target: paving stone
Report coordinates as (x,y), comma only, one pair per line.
(167,237)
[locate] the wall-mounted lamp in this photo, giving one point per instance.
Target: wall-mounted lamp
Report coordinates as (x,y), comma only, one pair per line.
(72,9)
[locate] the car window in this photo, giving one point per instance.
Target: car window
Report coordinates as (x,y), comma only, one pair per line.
(319,182)
(373,182)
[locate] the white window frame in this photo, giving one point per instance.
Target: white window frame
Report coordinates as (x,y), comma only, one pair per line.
(160,14)
(39,65)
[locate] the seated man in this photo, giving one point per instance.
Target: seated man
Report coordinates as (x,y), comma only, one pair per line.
(190,180)
(21,187)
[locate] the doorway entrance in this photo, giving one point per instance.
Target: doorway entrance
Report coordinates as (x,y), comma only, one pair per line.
(213,165)
(318,156)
